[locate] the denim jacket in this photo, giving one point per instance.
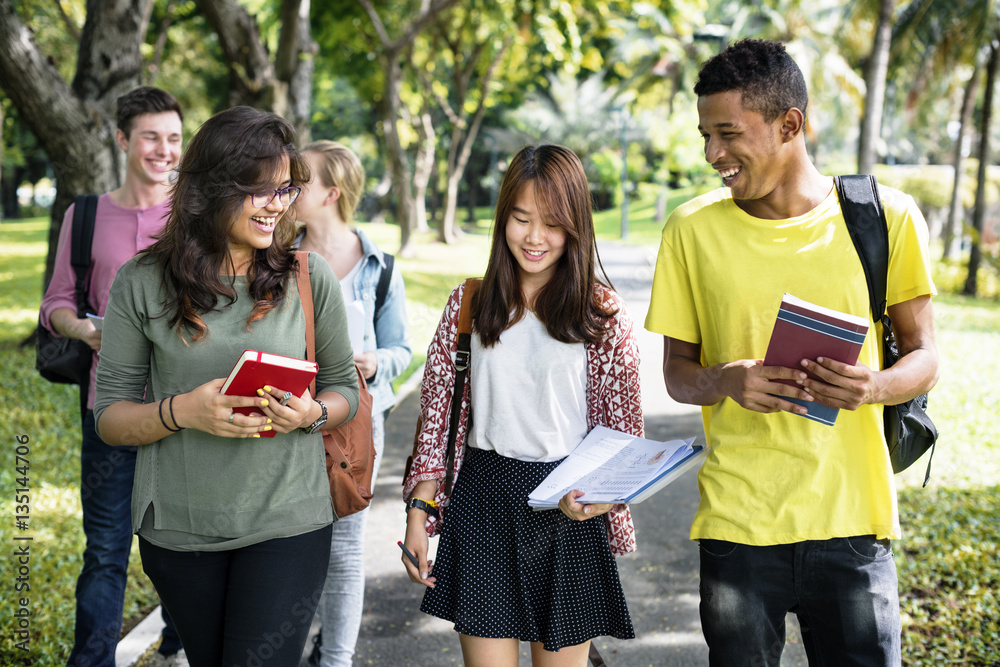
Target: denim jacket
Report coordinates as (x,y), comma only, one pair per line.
(388,335)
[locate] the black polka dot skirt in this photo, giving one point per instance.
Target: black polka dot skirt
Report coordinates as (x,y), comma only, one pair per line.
(505,570)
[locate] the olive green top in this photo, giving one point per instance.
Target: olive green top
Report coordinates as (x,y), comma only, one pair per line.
(194,490)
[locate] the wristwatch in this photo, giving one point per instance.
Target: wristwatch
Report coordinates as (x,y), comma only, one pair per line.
(319,423)
(428,506)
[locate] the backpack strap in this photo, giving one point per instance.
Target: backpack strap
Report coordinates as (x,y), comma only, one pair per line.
(462,357)
(869,230)
(865,218)
(84,217)
(382,289)
(306,299)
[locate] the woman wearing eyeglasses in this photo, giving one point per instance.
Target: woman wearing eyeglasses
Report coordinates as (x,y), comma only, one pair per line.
(234,529)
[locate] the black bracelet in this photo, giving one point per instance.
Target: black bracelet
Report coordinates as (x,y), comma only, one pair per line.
(172,418)
(159,411)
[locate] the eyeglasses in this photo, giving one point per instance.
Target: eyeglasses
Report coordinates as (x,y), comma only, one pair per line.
(285,196)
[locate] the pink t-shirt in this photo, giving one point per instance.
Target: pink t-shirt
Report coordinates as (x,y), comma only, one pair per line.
(119,233)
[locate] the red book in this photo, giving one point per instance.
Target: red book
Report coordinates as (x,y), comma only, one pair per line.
(804,330)
(254,369)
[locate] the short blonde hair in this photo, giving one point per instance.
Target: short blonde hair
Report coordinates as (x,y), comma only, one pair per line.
(339,168)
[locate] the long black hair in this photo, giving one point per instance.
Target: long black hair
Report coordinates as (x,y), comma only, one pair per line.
(568,304)
(236,152)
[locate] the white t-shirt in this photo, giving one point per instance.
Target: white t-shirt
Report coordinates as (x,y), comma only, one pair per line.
(529,396)
(355,308)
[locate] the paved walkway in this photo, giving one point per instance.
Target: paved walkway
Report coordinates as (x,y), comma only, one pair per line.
(660,579)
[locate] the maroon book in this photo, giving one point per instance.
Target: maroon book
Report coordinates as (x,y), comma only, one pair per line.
(804,330)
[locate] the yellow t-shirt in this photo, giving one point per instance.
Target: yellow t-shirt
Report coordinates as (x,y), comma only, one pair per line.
(720,275)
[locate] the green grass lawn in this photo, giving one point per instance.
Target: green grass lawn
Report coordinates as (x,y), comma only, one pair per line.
(949,587)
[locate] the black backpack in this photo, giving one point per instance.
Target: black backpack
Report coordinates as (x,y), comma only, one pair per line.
(909,431)
(67,360)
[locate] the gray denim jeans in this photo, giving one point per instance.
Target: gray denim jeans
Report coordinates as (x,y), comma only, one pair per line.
(343,599)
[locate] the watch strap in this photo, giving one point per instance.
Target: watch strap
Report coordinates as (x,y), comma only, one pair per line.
(319,423)
(422,505)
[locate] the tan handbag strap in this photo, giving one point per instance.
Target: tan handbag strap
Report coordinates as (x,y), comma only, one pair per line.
(462,357)
(465,312)
(306,299)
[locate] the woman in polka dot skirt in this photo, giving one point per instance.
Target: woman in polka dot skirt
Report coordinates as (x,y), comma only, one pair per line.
(553,355)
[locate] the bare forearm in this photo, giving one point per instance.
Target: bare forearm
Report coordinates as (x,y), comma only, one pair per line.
(126,423)
(690,382)
(426,489)
(914,374)
(746,381)
(917,369)
(337,409)
(66,323)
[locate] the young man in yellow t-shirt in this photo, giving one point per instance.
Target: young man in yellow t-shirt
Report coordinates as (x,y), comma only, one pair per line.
(794,515)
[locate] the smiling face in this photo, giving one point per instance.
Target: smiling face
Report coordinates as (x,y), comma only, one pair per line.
(745,149)
(153,147)
(314,194)
(536,242)
(254,226)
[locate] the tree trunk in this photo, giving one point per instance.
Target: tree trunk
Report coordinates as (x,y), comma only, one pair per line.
(878,65)
(446,232)
(424,170)
(283,87)
(252,79)
(400,170)
(3,209)
(390,56)
(965,118)
(109,64)
(462,141)
(984,156)
(295,63)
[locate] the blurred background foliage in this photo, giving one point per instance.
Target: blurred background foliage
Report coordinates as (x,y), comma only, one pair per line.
(611,79)
(605,77)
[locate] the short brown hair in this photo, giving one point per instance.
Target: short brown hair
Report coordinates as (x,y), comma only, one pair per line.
(142,100)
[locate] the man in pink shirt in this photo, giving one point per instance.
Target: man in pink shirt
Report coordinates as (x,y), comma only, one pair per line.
(127,220)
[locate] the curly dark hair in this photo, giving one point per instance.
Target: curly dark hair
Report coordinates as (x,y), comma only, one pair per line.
(236,153)
(567,305)
(762,71)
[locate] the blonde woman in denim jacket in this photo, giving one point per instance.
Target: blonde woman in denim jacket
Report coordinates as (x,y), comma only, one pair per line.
(382,351)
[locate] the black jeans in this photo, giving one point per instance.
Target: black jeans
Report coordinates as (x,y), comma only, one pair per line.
(843,590)
(248,607)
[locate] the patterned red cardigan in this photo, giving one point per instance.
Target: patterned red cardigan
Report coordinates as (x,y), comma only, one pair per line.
(613,400)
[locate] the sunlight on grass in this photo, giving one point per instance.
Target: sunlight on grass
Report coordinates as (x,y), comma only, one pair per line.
(968,338)
(430,276)
(946,527)
(20,318)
